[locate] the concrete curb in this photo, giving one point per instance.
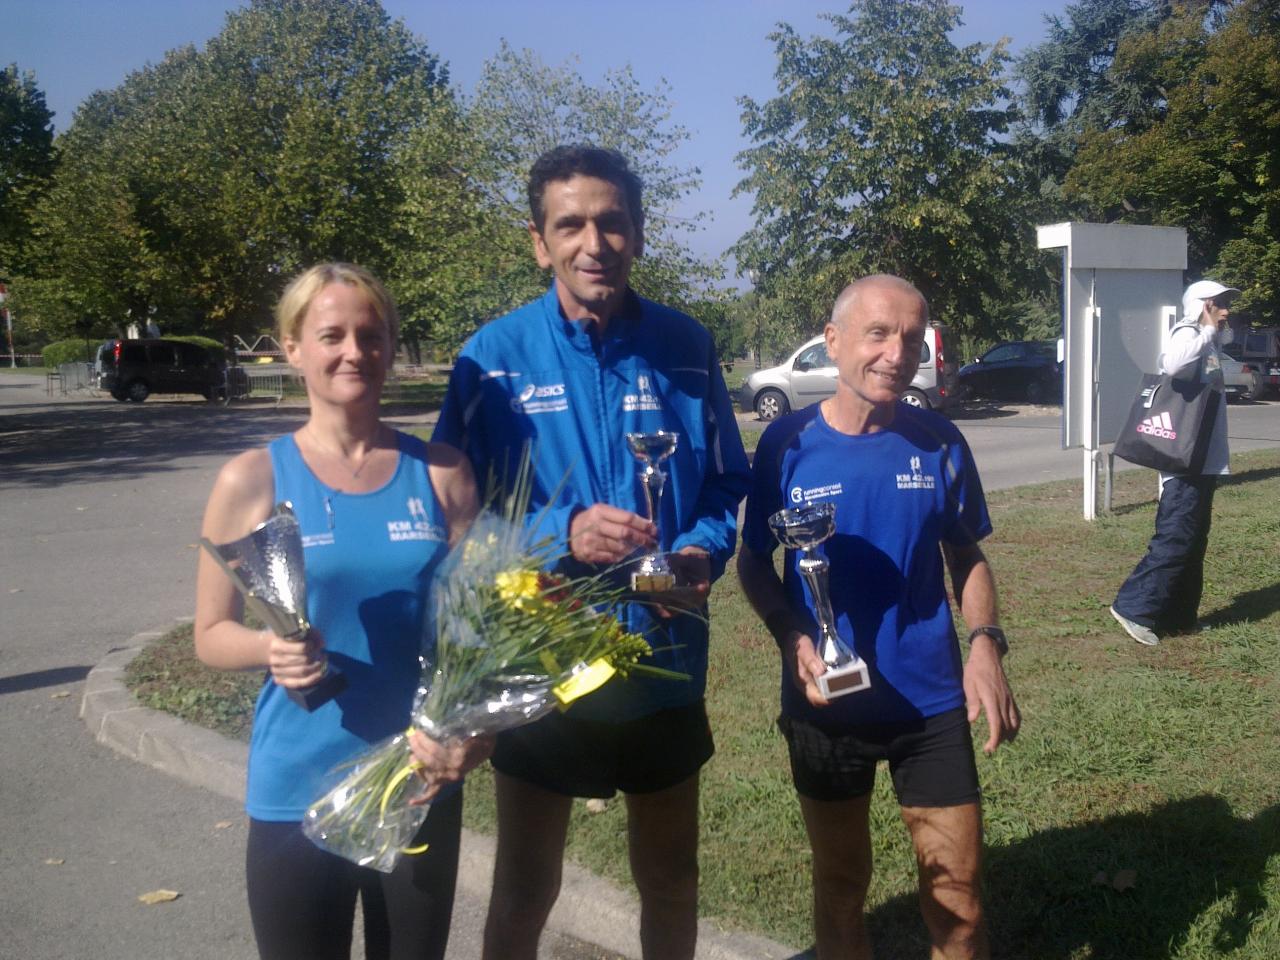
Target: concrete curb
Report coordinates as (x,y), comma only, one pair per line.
(589,908)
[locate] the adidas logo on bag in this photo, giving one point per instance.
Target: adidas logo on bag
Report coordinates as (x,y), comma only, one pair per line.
(1159,426)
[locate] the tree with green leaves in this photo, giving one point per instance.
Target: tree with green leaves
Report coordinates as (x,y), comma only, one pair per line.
(461,257)
(1066,85)
(1208,157)
(95,266)
(202,183)
(26,163)
(883,152)
(522,108)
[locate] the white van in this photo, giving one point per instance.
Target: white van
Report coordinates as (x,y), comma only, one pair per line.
(808,375)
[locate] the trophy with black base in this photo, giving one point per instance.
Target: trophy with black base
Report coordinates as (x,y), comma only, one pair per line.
(266,566)
(804,528)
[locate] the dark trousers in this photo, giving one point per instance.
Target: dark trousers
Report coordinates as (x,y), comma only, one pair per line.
(1163,592)
(302,899)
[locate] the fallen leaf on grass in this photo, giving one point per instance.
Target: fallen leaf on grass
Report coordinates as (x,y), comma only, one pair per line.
(55,861)
(159,896)
(1125,880)
(596,805)
(1122,881)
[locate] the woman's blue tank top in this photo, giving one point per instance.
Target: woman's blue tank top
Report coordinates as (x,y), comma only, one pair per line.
(369,561)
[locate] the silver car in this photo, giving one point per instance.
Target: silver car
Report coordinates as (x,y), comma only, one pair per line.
(808,376)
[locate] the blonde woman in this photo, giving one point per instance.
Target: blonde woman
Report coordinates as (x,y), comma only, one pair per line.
(378,509)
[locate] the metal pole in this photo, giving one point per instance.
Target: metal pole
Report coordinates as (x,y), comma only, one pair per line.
(8,325)
(1111,469)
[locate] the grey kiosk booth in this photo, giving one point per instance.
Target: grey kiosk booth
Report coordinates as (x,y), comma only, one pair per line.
(1121,288)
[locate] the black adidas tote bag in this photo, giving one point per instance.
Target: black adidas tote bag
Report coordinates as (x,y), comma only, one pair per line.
(1169,424)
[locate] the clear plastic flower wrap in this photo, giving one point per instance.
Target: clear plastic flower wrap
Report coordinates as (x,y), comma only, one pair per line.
(512,642)
(367,817)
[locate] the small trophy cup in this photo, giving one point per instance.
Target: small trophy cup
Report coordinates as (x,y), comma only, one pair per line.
(803,528)
(652,572)
(267,568)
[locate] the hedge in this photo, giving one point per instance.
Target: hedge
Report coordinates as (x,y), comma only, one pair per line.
(68,351)
(73,351)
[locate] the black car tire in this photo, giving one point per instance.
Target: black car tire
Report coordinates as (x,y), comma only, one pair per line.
(118,395)
(1035,391)
(771,404)
(137,391)
(914,398)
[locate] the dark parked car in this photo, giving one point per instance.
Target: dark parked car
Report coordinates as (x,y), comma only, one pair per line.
(135,369)
(1019,370)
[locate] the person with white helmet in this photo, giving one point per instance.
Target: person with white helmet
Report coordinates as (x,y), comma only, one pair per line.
(1162,595)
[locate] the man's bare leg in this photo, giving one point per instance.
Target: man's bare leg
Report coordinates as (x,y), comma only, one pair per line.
(948,843)
(662,835)
(840,838)
(532,824)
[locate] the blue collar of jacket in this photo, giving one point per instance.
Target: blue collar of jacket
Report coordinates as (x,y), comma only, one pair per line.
(580,334)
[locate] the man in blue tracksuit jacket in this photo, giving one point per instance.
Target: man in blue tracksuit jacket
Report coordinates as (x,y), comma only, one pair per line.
(572,373)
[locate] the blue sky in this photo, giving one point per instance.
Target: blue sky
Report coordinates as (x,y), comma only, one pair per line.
(709,51)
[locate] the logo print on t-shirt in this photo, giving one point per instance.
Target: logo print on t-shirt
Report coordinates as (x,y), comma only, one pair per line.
(915,479)
(549,398)
(803,494)
(643,399)
(417,527)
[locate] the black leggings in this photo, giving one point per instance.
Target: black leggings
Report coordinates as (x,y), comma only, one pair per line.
(302,899)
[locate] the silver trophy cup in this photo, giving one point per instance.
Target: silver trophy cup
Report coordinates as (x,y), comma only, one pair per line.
(803,528)
(652,572)
(267,568)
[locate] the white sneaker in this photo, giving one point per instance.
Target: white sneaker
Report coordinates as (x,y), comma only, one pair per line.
(1144,635)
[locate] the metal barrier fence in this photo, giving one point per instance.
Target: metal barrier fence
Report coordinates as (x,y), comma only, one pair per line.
(251,383)
(71,378)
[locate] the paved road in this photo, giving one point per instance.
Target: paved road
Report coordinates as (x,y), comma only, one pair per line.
(1020,445)
(1015,446)
(99,504)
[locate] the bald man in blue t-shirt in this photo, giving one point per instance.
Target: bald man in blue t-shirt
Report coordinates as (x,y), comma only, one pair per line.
(908,502)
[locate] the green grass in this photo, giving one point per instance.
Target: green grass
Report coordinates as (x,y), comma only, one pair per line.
(167,676)
(737,372)
(426,392)
(1163,762)
(751,434)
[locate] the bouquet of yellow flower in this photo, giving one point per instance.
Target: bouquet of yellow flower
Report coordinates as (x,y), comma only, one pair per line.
(512,642)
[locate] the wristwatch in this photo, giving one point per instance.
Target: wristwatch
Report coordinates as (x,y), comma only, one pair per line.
(996,634)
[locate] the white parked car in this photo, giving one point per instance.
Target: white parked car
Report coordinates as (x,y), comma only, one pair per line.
(808,375)
(1260,347)
(1243,381)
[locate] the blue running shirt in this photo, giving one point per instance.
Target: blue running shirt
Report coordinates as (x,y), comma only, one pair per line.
(369,559)
(898,494)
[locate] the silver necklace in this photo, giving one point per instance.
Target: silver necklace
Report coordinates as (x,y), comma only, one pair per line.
(342,457)
(328,500)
